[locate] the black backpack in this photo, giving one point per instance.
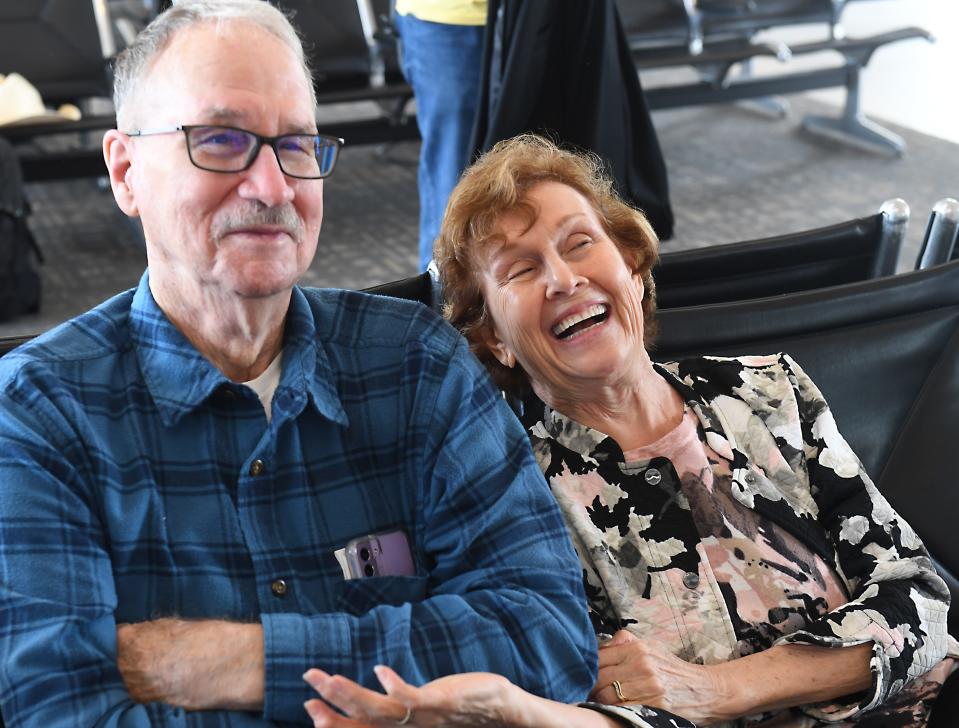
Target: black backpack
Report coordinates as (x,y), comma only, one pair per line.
(19,254)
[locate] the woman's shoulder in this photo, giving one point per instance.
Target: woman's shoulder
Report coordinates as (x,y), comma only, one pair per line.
(710,376)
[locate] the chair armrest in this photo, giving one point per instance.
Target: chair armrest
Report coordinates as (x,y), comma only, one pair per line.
(939,242)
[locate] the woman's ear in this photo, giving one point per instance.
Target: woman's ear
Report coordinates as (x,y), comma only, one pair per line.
(497,348)
(641,285)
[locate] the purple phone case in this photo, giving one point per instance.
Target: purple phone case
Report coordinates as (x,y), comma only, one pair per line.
(380,554)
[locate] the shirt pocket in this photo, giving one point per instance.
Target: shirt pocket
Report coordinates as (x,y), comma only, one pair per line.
(359,596)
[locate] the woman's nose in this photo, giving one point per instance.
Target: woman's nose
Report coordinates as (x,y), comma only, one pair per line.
(561,278)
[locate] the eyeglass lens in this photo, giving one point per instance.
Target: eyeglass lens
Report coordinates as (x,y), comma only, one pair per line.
(223,149)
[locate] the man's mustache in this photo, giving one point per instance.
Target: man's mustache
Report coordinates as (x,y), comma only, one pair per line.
(256,214)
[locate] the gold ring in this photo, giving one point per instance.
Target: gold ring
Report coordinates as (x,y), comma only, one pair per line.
(618,689)
(406,718)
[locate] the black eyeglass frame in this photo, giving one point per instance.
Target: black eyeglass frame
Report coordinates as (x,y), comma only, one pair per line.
(271,141)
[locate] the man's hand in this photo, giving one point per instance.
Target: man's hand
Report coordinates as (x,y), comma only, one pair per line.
(204,665)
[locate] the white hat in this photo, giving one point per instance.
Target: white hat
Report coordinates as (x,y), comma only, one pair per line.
(20,103)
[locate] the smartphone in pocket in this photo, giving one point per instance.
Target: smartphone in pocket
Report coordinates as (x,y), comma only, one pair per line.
(379,554)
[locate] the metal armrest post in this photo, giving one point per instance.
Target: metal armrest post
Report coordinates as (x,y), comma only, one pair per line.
(694,27)
(436,287)
(368,22)
(836,29)
(895,223)
(939,242)
(108,44)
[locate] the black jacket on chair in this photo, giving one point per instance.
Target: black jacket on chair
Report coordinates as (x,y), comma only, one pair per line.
(563,68)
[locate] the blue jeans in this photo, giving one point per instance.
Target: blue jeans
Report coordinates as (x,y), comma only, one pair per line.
(442,64)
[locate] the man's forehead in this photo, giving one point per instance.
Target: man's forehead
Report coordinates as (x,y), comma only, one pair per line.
(226,116)
(210,42)
(207,64)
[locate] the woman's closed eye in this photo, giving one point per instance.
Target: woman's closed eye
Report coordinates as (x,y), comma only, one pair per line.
(516,269)
(579,243)
(519,269)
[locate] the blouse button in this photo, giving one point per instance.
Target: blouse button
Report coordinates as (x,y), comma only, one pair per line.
(691,579)
(279,588)
(653,476)
(257,467)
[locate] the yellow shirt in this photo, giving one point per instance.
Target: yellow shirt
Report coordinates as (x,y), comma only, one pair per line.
(452,12)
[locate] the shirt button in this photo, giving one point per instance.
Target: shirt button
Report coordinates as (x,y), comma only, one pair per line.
(653,476)
(279,588)
(257,467)
(750,477)
(691,579)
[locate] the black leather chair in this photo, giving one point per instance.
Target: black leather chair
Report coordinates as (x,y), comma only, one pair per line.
(343,42)
(9,343)
(353,57)
(423,288)
(60,46)
(346,47)
(851,251)
(855,250)
(939,242)
(885,353)
(63,47)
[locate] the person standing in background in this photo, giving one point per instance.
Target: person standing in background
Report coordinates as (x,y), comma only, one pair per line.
(442,50)
(563,69)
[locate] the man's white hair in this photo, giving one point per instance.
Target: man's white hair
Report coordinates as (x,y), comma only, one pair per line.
(134,62)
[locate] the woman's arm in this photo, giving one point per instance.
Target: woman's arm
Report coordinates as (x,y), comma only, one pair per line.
(780,677)
(788,675)
(469,700)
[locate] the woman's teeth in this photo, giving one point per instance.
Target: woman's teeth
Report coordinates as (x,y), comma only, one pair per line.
(565,328)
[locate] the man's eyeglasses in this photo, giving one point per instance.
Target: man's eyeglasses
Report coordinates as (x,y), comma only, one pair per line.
(228,149)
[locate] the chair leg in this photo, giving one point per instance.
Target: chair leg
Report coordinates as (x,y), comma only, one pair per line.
(853,127)
(772,107)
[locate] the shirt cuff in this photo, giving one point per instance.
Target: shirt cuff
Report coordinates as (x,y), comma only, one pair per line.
(292,644)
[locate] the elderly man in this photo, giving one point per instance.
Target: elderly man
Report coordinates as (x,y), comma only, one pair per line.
(182,468)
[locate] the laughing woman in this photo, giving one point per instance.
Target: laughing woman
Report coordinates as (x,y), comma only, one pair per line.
(733,546)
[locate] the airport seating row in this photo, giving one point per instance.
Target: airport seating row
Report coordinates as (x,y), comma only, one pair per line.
(352,49)
(860,249)
(348,45)
(720,39)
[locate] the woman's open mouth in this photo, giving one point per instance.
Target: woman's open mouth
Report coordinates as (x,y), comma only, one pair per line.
(582,321)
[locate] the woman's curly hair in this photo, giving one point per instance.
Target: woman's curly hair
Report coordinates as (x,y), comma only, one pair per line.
(499,182)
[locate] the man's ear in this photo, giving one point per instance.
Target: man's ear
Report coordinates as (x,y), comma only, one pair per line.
(117,153)
(497,348)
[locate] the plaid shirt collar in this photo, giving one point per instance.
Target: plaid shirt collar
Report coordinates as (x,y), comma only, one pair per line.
(180,379)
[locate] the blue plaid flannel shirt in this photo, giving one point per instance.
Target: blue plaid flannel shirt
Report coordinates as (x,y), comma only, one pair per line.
(127,493)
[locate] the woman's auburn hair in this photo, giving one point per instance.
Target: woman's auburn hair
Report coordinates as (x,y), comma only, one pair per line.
(499,182)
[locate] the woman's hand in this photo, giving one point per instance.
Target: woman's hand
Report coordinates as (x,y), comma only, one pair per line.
(650,675)
(469,700)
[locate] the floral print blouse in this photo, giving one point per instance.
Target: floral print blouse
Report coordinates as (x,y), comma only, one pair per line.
(750,524)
